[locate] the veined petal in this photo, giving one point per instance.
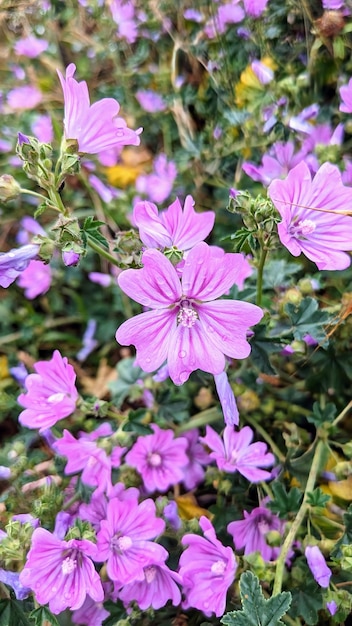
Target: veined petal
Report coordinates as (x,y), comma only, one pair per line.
(151,229)
(227,399)
(187,228)
(209,272)
(151,333)
(225,324)
(291,194)
(156,285)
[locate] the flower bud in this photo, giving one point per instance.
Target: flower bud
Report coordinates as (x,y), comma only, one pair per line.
(9,188)
(70,257)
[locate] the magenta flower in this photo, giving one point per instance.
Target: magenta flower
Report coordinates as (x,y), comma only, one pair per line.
(185,327)
(61,573)
(159,458)
(276,164)
(158,185)
(25,97)
(91,613)
(250,533)
(30,46)
(35,279)
(254,8)
(321,236)
(51,393)
(207,569)
(151,101)
(181,228)
(123,14)
(124,539)
(236,453)
(42,128)
(346,97)
(95,127)
(96,509)
(317,565)
(229,13)
(157,587)
(13,262)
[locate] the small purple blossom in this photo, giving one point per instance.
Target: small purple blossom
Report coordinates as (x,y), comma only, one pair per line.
(95,127)
(35,279)
(30,46)
(317,565)
(89,343)
(42,128)
(250,533)
(51,393)
(207,569)
(227,399)
(229,13)
(332,607)
(150,101)
(235,452)
(159,458)
(12,579)
(171,515)
(157,587)
(61,573)
(15,261)
(124,539)
(158,185)
(123,14)
(321,235)
(276,164)
(177,227)
(264,73)
(25,97)
(254,8)
(19,373)
(70,258)
(193,472)
(346,97)
(187,325)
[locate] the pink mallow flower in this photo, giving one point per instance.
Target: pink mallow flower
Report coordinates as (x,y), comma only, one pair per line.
(24,97)
(177,227)
(159,458)
(254,8)
(322,235)
(207,569)
(193,472)
(158,185)
(187,326)
(51,393)
(95,127)
(124,540)
(250,533)
(235,452)
(123,14)
(61,573)
(30,46)
(151,101)
(346,97)
(35,279)
(15,261)
(157,587)
(317,565)
(276,164)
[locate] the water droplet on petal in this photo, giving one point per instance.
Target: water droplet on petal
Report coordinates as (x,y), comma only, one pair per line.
(182,354)
(183,377)
(148,359)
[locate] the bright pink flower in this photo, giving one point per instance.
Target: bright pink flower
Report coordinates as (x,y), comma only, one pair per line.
(207,569)
(320,235)
(177,227)
(42,128)
(227,399)
(254,8)
(61,573)
(95,127)
(236,453)
(228,13)
(250,533)
(96,509)
(25,97)
(159,458)
(158,185)
(185,326)
(35,279)
(276,164)
(124,15)
(51,393)
(30,46)
(346,97)
(157,587)
(124,539)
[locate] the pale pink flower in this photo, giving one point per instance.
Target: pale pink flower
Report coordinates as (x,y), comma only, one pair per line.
(35,279)
(25,97)
(30,46)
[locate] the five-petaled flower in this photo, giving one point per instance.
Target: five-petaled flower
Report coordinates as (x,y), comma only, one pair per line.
(322,235)
(185,327)
(95,127)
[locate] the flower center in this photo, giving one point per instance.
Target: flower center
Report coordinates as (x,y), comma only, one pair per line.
(68,565)
(302,228)
(154,459)
(263,527)
(149,573)
(121,544)
(218,568)
(187,316)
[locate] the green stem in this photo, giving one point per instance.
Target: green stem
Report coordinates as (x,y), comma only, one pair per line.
(101,251)
(201,419)
(262,260)
(34,193)
(56,200)
(342,414)
(280,566)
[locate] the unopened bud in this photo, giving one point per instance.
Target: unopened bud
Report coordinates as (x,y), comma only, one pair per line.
(9,188)
(70,258)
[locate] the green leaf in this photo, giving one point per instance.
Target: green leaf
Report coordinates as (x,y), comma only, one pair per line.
(11,614)
(307,600)
(307,318)
(262,347)
(91,228)
(317,498)
(321,415)
(43,617)
(278,273)
(285,503)
(256,610)
(346,538)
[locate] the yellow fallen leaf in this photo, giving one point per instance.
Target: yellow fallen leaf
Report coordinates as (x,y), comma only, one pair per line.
(341,489)
(188,507)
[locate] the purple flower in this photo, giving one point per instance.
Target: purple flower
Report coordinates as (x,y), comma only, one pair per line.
(12,263)
(61,573)
(95,127)
(346,97)
(207,569)
(151,101)
(28,227)
(171,515)
(229,13)
(317,565)
(227,399)
(42,128)
(35,279)
(124,539)
(96,510)
(122,12)
(175,227)
(159,458)
(30,46)
(89,343)
(106,192)
(254,8)
(236,453)
(13,580)
(185,327)
(91,613)
(51,393)
(70,258)
(280,160)
(193,472)
(25,97)
(19,373)
(320,235)
(157,587)
(158,185)
(332,607)
(264,73)
(250,533)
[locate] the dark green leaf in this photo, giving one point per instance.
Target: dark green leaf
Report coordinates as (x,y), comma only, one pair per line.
(306,602)
(321,415)
(307,318)
(43,617)
(317,498)
(285,503)
(256,610)
(91,228)
(11,614)
(346,538)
